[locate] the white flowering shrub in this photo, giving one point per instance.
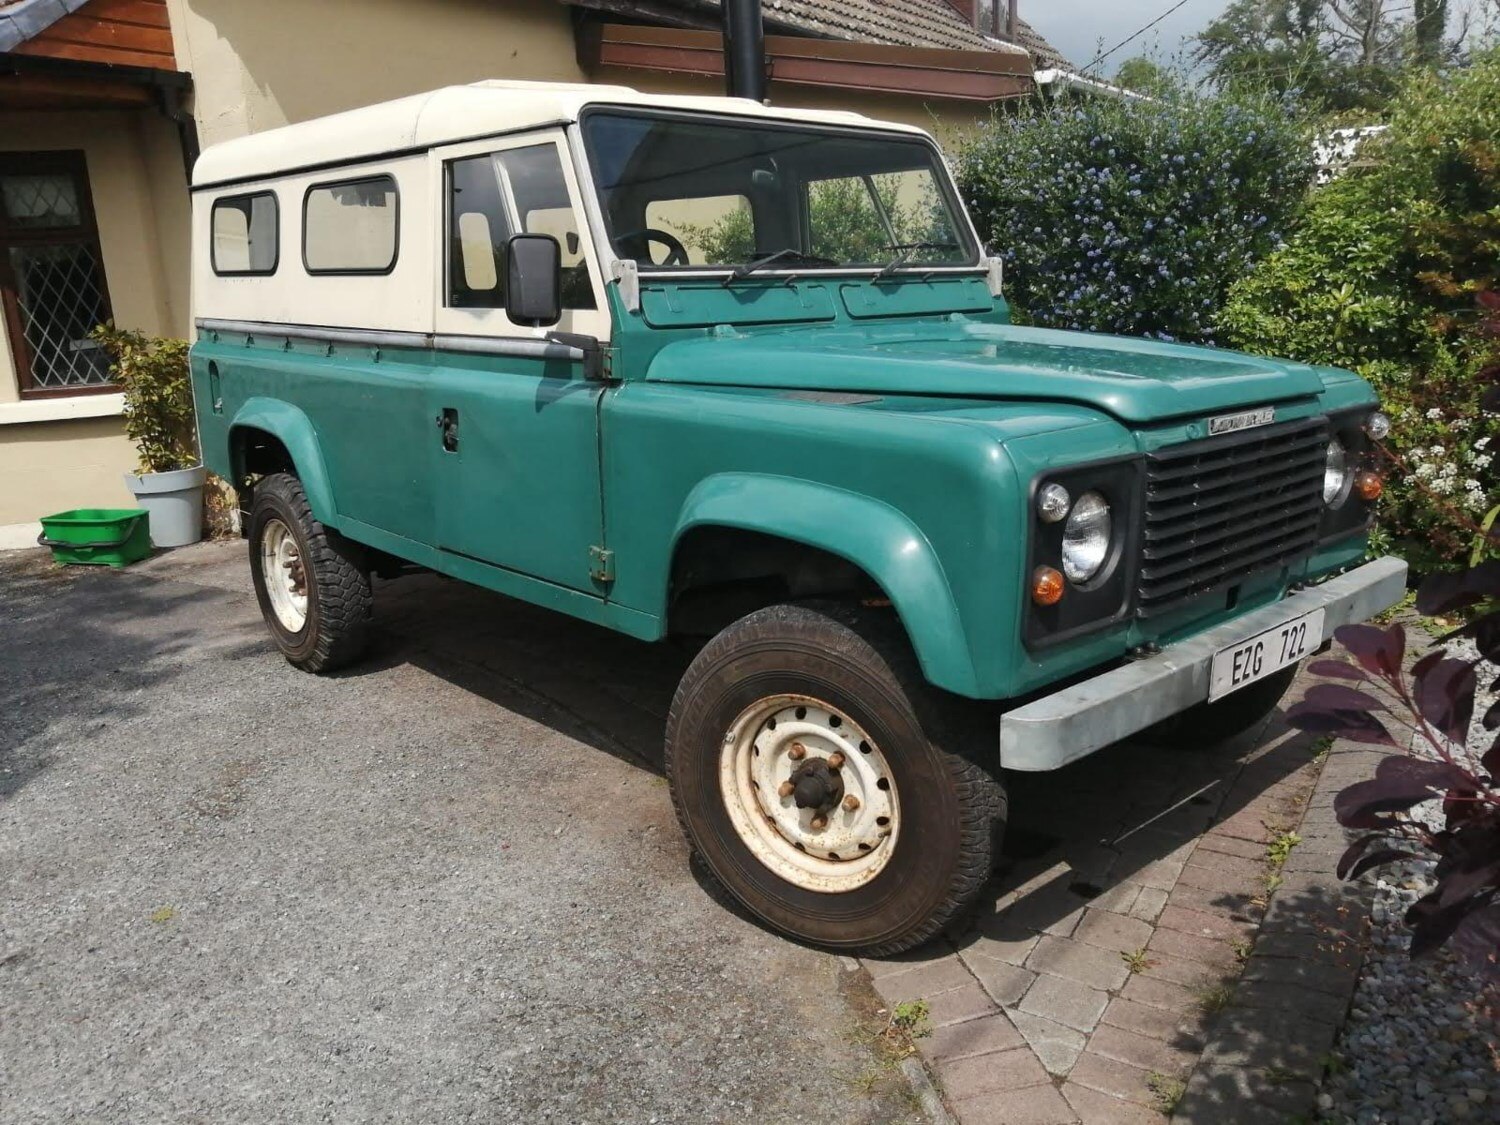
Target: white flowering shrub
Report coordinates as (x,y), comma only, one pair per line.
(1454,471)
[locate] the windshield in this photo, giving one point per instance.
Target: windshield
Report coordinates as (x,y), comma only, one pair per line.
(701,192)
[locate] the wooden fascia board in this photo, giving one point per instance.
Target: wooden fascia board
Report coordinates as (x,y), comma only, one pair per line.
(37,91)
(963,75)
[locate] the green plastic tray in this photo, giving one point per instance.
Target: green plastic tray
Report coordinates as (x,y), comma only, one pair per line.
(97,536)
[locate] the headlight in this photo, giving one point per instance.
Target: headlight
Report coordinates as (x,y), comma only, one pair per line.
(1086,537)
(1052,503)
(1336,475)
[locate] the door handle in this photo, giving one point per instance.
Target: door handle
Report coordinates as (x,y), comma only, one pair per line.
(447,423)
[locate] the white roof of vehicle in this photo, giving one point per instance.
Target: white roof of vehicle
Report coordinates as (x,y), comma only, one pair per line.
(458,113)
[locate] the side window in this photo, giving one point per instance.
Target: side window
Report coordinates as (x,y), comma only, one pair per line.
(712,228)
(490,198)
(245,235)
(478,227)
(350,226)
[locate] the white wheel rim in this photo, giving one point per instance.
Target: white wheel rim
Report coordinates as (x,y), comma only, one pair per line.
(759,756)
(282,569)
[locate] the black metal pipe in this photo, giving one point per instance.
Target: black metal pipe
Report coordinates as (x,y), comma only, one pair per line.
(744,50)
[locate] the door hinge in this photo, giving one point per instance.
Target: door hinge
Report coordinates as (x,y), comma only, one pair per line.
(601,565)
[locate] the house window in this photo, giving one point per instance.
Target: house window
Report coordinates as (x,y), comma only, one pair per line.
(51,273)
(245,238)
(350,227)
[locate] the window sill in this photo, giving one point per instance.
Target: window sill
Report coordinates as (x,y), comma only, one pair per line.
(61,409)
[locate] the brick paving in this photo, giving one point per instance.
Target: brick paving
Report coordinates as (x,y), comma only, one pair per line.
(1104,982)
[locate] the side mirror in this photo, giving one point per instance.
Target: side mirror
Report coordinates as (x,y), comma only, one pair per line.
(533,280)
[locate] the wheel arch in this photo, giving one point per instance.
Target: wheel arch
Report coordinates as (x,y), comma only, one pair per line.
(879,542)
(260,419)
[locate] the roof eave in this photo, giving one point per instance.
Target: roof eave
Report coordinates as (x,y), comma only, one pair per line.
(984,76)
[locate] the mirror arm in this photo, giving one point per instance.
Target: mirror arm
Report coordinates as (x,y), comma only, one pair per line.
(593,352)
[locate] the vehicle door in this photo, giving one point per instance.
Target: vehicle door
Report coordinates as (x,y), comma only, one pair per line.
(515,436)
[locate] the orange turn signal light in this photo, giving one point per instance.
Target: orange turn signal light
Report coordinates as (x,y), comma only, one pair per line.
(1046,586)
(1369,486)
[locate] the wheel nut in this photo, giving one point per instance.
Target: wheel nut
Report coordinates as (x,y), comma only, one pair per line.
(836,760)
(851,803)
(819,822)
(797,752)
(786,790)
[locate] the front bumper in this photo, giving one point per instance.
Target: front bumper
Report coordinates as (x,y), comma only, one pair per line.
(1067,725)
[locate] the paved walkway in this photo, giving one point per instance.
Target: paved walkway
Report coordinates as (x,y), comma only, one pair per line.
(1122,974)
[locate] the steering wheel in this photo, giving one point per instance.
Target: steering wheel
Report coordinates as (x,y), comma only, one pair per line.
(637,245)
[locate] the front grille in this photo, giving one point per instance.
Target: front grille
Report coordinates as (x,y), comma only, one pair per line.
(1221,510)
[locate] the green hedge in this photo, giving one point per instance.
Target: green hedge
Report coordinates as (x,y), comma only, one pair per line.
(1382,276)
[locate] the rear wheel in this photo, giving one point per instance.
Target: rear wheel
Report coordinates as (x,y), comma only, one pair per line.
(313,592)
(1208,724)
(826,785)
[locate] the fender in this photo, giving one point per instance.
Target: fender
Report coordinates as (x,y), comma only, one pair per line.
(874,536)
(295,431)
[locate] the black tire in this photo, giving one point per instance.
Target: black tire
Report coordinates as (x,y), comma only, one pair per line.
(339,599)
(860,663)
(1209,724)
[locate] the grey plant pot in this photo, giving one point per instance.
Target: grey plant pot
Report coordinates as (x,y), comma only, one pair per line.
(174,502)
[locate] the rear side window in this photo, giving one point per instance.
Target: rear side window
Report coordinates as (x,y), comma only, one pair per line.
(350,226)
(246,239)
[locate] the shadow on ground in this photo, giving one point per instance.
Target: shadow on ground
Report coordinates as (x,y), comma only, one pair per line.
(74,663)
(1075,835)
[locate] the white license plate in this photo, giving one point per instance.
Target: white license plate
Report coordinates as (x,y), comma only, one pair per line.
(1260,655)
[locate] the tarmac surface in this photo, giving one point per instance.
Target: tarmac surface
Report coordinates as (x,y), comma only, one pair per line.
(446,885)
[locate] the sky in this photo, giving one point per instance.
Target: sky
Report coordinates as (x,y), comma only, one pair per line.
(1083,29)
(1077,27)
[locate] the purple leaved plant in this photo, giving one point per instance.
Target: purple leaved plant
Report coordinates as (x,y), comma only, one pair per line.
(1428,708)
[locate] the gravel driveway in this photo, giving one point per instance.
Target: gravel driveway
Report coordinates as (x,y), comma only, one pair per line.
(230,891)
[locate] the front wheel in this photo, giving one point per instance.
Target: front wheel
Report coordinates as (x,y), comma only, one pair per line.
(313,593)
(826,785)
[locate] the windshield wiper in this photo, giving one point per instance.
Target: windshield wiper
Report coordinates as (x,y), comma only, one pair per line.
(786,254)
(905,250)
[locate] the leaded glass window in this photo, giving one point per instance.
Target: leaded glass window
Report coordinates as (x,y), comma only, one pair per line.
(51,273)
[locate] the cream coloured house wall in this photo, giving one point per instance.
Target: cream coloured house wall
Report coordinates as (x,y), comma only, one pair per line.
(57,454)
(945,118)
(273,62)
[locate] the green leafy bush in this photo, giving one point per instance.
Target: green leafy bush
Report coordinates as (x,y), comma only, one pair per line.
(1135,216)
(1382,277)
(153,374)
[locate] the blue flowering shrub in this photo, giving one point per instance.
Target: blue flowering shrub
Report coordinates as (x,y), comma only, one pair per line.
(1135,217)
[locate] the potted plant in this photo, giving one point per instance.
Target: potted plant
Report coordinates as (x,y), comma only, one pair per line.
(153,374)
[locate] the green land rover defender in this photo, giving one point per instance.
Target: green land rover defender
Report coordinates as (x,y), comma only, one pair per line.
(697,368)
